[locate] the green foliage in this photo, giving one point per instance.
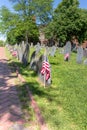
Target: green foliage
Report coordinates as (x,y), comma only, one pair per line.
(68,21)
(21,24)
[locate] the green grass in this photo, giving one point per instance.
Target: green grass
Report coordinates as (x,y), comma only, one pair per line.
(63,104)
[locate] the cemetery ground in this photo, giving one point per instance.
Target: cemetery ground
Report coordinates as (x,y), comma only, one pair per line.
(64,103)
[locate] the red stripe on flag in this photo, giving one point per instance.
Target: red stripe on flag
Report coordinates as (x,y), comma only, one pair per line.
(45,69)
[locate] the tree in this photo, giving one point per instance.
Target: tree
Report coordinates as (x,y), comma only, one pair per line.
(68,21)
(23,20)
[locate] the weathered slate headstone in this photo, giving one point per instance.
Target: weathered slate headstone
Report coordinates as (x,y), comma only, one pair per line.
(85,52)
(67,48)
(33,61)
(20,53)
(67,51)
(48,50)
(85,62)
(26,55)
(79,55)
(15,46)
(39,63)
(53,50)
(37,48)
(45,70)
(74,47)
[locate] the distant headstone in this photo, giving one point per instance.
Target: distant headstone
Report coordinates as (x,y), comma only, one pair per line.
(85,52)
(48,50)
(37,48)
(15,46)
(85,62)
(61,50)
(67,48)
(23,46)
(79,55)
(67,51)
(53,50)
(31,44)
(20,53)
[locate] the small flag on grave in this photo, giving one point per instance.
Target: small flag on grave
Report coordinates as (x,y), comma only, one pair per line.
(14,53)
(45,69)
(66,57)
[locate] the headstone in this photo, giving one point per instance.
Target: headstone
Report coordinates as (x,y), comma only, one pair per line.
(20,53)
(23,46)
(15,46)
(39,63)
(33,61)
(48,50)
(67,51)
(26,55)
(79,55)
(37,48)
(85,52)
(67,48)
(53,50)
(74,47)
(85,62)
(61,50)
(31,44)
(45,71)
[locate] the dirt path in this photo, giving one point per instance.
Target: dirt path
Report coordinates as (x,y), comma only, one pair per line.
(10,110)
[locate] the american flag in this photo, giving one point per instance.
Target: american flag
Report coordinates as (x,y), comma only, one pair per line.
(14,53)
(45,69)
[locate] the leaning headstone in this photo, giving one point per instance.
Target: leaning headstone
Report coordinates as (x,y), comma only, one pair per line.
(33,61)
(26,55)
(53,50)
(79,55)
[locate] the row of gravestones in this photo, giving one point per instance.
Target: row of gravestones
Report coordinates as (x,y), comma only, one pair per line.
(81,53)
(21,51)
(35,60)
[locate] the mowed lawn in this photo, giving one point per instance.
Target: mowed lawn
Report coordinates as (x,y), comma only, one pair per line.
(63,104)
